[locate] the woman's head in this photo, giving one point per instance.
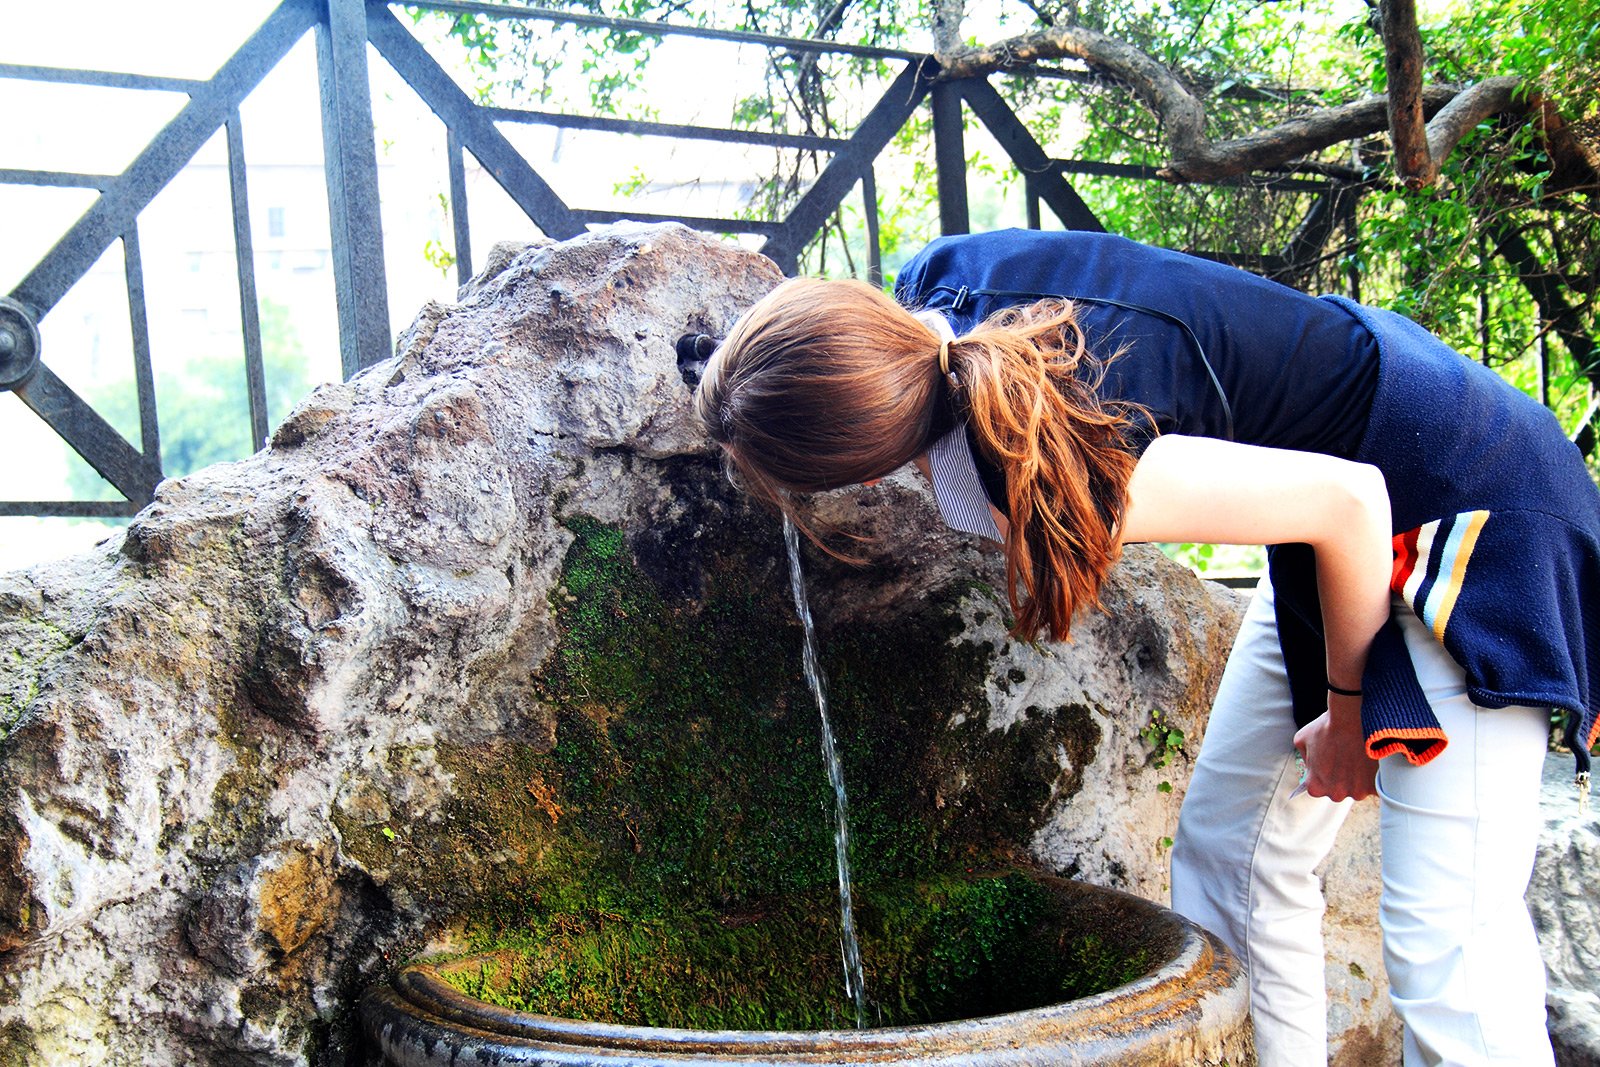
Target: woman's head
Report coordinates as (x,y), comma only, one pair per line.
(821,384)
(826,383)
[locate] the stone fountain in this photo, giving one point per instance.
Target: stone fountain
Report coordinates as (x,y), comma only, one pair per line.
(483,647)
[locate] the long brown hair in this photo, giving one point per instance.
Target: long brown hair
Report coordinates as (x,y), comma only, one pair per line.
(827,383)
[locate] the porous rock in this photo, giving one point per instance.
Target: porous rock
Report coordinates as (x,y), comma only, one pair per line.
(1566,912)
(304,720)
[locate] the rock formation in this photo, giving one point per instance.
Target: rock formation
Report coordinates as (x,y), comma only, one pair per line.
(485,633)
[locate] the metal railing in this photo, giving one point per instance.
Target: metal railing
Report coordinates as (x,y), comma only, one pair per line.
(343,31)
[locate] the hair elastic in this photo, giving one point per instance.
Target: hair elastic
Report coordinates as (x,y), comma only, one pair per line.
(1343,692)
(944,358)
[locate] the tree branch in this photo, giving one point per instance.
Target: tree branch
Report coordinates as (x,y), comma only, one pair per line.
(1179,112)
(1402,60)
(947,16)
(1293,138)
(1470,107)
(1193,156)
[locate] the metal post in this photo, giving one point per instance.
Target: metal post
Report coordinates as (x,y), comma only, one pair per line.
(458,206)
(1483,299)
(139,324)
(1352,230)
(351,164)
(950,158)
(1542,353)
(255,375)
(869,199)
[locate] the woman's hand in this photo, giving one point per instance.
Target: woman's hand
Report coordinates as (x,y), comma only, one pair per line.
(1335,752)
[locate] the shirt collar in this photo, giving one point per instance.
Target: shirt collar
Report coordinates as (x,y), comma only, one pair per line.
(956,486)
(963,504)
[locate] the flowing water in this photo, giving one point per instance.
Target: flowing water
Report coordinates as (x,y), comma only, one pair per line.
(854,984)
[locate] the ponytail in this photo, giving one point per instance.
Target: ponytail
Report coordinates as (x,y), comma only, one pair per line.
(1035,411)
(824,384)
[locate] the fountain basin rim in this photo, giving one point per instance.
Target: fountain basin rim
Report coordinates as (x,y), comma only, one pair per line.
(420,1006)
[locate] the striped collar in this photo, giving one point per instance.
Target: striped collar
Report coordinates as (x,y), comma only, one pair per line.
(957,487)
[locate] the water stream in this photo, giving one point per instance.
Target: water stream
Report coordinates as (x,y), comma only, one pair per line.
(854,983)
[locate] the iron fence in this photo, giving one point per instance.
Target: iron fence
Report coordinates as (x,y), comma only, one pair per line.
(343,31)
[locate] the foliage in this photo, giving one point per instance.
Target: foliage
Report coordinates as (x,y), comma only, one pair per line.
(204,403)
(1429,254)
(1166,739)
(1432,254)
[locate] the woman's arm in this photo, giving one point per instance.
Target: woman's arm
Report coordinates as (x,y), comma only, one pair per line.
(1199,489)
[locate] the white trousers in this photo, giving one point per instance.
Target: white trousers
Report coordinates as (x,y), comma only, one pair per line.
(1459,834)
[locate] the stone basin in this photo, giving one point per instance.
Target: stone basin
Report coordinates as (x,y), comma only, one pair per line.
(1187,1004)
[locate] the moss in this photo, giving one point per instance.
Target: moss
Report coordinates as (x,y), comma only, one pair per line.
(240,801)
(945,949)
(671,857)
(28,645)
(17,1046)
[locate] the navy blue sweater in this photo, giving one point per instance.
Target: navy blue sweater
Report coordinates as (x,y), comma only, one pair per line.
(1497,524)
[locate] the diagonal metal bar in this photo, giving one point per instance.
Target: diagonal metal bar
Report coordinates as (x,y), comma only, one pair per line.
(102,447)
(112,214)
(476,130)
(1305,246)
(244,254)
(1584,435)
(350,166)
(139,325)
(1547,292)
(898,103)
(1041,173)
(1565,322)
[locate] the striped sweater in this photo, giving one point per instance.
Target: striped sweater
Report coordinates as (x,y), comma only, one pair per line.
(1497,524)
(1498,549)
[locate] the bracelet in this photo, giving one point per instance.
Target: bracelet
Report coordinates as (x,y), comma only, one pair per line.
(1343,692)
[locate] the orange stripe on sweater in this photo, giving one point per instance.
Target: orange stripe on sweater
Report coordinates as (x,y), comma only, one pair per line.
(1405,560)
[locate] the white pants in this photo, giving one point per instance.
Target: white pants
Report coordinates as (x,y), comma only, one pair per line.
(1459,835)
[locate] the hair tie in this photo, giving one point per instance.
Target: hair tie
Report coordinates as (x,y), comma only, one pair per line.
(944,358)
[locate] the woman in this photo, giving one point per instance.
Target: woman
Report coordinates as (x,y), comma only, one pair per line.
(1067,393)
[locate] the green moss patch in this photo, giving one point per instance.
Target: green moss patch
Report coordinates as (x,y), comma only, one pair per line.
(28,645)
(947,949)
(675,843)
